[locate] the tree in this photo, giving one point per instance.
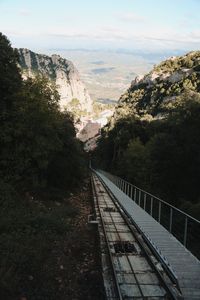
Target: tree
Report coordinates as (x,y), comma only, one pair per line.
(10,86)
(40,157)
(10,77)
(133,164)
(35,134)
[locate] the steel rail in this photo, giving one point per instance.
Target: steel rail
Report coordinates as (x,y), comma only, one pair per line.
(126,218)
(151,246)
(119,239)
(107,244)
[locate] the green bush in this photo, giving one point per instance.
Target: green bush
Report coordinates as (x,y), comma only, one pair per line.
(41,161)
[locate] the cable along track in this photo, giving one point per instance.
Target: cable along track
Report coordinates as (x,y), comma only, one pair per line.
(132,270)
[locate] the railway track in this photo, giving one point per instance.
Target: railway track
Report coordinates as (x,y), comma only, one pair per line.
(131,269)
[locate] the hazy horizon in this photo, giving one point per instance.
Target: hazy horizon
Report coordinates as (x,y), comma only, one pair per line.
(152,26)
(128,37)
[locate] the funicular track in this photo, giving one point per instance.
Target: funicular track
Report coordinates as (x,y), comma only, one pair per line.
(136,272)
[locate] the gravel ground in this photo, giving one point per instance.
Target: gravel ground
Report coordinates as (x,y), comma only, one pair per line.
(78,263)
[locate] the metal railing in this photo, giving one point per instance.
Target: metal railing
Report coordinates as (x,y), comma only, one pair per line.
(183,226)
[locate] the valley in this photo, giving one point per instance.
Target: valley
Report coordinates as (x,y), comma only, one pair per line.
(92,91)
(108,73)
(99,150)
(53,129)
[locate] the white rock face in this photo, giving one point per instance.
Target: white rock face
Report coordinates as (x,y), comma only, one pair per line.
(148,79)
(176,77)
(59,70)
(169,99)
(137,80)
(151,77)
(179,75)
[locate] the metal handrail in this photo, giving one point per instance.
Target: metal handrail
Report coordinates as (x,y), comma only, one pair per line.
(155,197)
(136,194)
(166,203)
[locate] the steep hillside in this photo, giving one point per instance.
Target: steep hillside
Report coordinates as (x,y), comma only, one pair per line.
(62,72)
(153,138)
(152,95)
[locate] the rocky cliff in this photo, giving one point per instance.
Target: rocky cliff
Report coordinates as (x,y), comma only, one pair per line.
(62,72)
(151,96)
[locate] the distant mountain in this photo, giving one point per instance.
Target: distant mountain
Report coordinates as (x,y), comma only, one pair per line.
(152,95)
(62,72)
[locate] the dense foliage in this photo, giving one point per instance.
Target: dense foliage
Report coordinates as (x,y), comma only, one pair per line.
(38,144)
(162,156)
(188,61)
(41,161)
(153,141)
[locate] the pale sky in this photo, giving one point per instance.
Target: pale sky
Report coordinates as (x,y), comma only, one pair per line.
(150,25)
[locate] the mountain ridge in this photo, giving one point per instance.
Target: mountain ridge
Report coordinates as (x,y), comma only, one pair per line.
(153,138)
(150,96)
(59,70)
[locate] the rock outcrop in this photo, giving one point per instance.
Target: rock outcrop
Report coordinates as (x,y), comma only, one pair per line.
(59,70)
(90,130)
(151,95)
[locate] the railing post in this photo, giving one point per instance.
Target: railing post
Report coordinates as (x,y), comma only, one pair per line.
(131,191)
(135,194)
(151,212)
(170,219)
(139,197)
(128,190)
(145,198)
(185,231)
(159,211)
